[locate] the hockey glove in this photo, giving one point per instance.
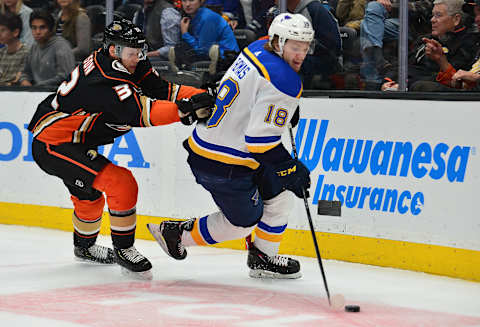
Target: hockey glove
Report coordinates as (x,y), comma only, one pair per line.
(289,175)
(150,82)
(197,108)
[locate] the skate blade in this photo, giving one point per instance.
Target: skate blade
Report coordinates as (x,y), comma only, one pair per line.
(140,275)
(93,262)
(155,231)
(256,273)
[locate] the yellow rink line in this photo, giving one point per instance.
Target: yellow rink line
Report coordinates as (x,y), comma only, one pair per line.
(434,259)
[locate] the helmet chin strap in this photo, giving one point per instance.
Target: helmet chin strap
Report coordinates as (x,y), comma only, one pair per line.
(279,53)
(281,43)
(118,50)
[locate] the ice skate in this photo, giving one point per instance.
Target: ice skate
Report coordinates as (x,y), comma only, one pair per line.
(133,263)
(94,254)
(169,236)
(264,266)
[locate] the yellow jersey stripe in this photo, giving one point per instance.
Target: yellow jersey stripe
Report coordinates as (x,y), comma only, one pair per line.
(300,92)
(261,148)
(250,163)
(258,63)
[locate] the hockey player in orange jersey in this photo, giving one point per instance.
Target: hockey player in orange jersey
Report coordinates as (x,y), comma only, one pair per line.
(111,91)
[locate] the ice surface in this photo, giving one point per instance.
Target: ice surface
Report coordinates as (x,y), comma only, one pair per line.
(42,285)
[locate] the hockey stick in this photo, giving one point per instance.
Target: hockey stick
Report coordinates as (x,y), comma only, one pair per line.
(309,216)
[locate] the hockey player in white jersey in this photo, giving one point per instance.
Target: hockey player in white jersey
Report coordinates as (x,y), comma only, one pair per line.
(238,156)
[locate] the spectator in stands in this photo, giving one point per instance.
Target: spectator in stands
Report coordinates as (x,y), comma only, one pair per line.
(350,14)
(50,59)
(458,44)
(325,59)
(448,78)
(160,22)
(74,25)
(205,35)
(231,19)
(381,24)
(12,56)
(17,7)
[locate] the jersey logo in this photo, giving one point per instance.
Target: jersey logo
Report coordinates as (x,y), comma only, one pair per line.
(92,154)
(255,198)
(123,91)
(120,128)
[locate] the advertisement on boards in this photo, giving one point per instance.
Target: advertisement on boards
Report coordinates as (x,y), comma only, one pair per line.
(403,170)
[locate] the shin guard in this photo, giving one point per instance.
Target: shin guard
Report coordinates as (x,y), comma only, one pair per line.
(121,190)
(269,230)
(122,226)
(214,228)
(86,218)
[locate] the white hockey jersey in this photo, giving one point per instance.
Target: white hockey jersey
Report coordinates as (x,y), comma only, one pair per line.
(256,99)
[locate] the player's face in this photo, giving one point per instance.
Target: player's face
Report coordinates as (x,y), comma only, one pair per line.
(40,31)
(130,58)
(191,6)
(294,53)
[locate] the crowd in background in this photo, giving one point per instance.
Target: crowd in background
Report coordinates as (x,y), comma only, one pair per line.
(356,41)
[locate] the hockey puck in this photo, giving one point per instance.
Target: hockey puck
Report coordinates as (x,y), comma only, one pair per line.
(352,308)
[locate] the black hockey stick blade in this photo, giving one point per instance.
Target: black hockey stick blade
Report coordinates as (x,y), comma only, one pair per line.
(329,208)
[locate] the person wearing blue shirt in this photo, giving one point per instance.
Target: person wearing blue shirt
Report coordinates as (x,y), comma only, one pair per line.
(201,28)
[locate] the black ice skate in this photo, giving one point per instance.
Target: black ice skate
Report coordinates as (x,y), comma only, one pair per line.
(263,266)
(133,262)
(95,253)
(169,236)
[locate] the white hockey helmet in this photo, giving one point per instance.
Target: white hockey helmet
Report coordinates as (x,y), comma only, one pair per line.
(291,27)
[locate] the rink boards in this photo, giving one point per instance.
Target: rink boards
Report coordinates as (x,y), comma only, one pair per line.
(406,172)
